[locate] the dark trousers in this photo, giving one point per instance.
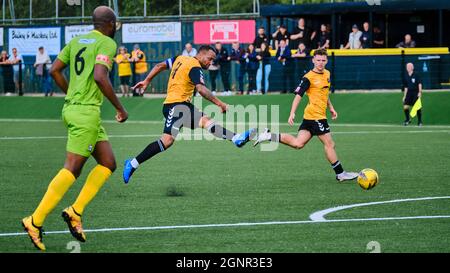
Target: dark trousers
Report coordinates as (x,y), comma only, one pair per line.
(242,71)
(8,76)
(213,74)
(252,80)
(225,74)
(287,77)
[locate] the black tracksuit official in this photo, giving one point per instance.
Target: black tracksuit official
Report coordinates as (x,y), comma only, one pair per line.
(412,88)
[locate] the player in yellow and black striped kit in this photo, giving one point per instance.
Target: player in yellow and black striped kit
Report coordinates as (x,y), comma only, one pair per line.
(185,76)
(316,84)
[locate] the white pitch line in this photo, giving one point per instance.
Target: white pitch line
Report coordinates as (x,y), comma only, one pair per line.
(64,137)
(206,133)
(60,121)
(12,234)
(234,123)
(319,216)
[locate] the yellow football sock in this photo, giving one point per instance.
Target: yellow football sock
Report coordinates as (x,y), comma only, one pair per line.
(56,190)
(95,180)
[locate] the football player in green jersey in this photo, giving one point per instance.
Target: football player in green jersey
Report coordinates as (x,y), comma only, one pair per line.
(90,59)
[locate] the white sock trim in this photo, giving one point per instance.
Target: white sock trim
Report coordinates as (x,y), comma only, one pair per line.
(209,127)
(134,163)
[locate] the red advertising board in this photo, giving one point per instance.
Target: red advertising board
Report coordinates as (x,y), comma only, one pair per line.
(224,31)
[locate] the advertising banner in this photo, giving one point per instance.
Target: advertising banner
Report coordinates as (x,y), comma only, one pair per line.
(74,31)
(151,32)
(28,40)
(224,31)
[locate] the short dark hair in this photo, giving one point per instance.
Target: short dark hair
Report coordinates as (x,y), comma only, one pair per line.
(262,27)
(207,48)
(320,52)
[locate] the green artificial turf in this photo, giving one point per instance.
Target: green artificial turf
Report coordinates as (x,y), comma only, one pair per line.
(203,182)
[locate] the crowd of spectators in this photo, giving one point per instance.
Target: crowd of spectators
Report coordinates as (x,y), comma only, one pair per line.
(288,50)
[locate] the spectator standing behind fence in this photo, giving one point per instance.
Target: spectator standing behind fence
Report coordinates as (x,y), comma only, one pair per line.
(302,34)
(17,62)
(123,60)
(324,38)
(407,43)
(189,50)
(261,38)
(42,66)
(366,36)
(213,73)
(237,55)
(378,37)
(140,68)
(284,57)
(281,34)
(354,41)
(7,73)
(264,63)
(224,67)
(252,68)
(302,60)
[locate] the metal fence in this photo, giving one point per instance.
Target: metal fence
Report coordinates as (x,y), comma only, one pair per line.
(79,11)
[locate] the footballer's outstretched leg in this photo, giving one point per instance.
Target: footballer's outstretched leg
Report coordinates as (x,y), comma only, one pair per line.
(298,142)
(220,132)
(331,155)
(154,148)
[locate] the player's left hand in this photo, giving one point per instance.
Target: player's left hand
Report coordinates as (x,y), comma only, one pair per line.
(334,114)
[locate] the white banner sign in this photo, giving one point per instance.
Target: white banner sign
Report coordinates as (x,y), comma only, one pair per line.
(1,36)
(74,31)
(28,40)
(151,32)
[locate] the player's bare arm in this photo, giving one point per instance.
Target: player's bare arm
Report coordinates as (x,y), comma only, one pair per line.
(153,73)
(294,107)
(102,80)
(333,112)
(204,91)
(57,74)
(420,91)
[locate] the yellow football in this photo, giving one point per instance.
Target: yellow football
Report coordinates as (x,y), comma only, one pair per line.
(368,178)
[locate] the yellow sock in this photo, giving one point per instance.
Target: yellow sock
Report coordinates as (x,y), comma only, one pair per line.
(95,180)
(56,190)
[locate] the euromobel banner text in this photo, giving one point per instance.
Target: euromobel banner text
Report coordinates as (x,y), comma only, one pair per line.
(151,32)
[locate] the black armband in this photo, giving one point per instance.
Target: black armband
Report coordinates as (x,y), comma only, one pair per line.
(302,87)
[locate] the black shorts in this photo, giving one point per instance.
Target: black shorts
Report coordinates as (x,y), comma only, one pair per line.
(315,127)
(124,80)
(410,100)
(180,114)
